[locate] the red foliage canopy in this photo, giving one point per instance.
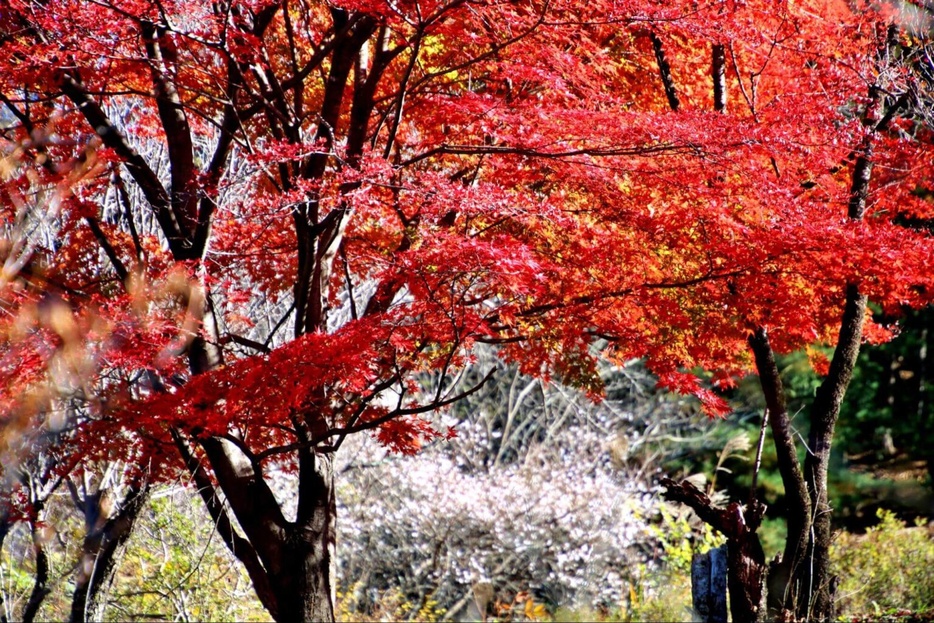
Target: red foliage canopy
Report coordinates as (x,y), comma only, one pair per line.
(186,182)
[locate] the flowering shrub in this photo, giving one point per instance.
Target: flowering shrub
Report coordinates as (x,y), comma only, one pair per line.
(567,529)
(540,490)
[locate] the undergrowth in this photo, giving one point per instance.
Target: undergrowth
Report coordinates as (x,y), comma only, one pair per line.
(886,570)
(884,575)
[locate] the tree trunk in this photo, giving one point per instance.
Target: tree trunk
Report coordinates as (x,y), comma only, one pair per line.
(816,578)
(781,596)
(291,563)
(102,552)
(746,576)
(800,584)
(40,588)
(305,586)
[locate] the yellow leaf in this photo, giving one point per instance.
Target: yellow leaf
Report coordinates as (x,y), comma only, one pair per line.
(534,611)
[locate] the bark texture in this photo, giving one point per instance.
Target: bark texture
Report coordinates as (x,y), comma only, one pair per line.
(306,583)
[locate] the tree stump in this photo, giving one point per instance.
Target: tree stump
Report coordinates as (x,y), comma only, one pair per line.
(708,585)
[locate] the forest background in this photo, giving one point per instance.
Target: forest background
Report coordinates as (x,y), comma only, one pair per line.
(557,535)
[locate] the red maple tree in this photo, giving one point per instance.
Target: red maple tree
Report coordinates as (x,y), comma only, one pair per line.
(240,231)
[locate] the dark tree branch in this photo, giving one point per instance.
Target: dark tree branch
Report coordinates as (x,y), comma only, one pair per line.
(250,498)
(598,297)
(40,587)
(124,197)
(664,72)
(316,247)
(245,341)
(781,595)
(184,194)
(395,413)
(537,152)
(5,526)
(399,103)
(343,432)
(826,406)
(686,493)
(494,51)
(278,325)
(750,101)
(757,465)
(103,549)
(229,126)
(746,566)
(108,248)
(317,58)
(19,114)
(774,391)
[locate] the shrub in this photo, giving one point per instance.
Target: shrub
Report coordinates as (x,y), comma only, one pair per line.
(388,606)
(886,569)
(541,493)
